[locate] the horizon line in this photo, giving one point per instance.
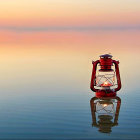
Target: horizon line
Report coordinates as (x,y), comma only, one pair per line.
(67,28)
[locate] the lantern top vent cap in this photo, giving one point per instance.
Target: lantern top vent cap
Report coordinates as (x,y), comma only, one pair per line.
(106,56)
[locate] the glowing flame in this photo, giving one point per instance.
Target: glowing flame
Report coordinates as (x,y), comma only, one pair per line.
(104,105)
(105,83)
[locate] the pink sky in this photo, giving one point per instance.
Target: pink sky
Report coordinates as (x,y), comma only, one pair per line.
(70,24)
(38,13)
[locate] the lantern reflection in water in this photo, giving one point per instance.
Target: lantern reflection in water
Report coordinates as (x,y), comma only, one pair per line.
(105,112)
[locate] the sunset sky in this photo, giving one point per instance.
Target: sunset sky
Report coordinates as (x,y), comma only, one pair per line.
(39,21)
(52,14)
(69,25)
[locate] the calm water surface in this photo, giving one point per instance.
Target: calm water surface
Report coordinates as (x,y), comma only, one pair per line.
(45,90)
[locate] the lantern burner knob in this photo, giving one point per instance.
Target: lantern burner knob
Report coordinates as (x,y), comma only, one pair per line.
(106,56)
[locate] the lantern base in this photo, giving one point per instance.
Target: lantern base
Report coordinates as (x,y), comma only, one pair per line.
(104,93)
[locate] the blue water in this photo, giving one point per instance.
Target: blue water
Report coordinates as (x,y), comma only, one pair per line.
(64,115)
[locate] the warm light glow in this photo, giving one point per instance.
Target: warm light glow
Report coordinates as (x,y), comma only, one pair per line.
(106,84)
(104,105)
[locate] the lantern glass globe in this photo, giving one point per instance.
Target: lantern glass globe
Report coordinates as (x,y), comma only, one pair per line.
(105,80)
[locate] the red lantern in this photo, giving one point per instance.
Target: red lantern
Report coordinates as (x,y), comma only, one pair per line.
(105,80)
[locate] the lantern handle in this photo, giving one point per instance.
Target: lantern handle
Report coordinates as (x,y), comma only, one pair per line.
(117,74)
(94,75)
